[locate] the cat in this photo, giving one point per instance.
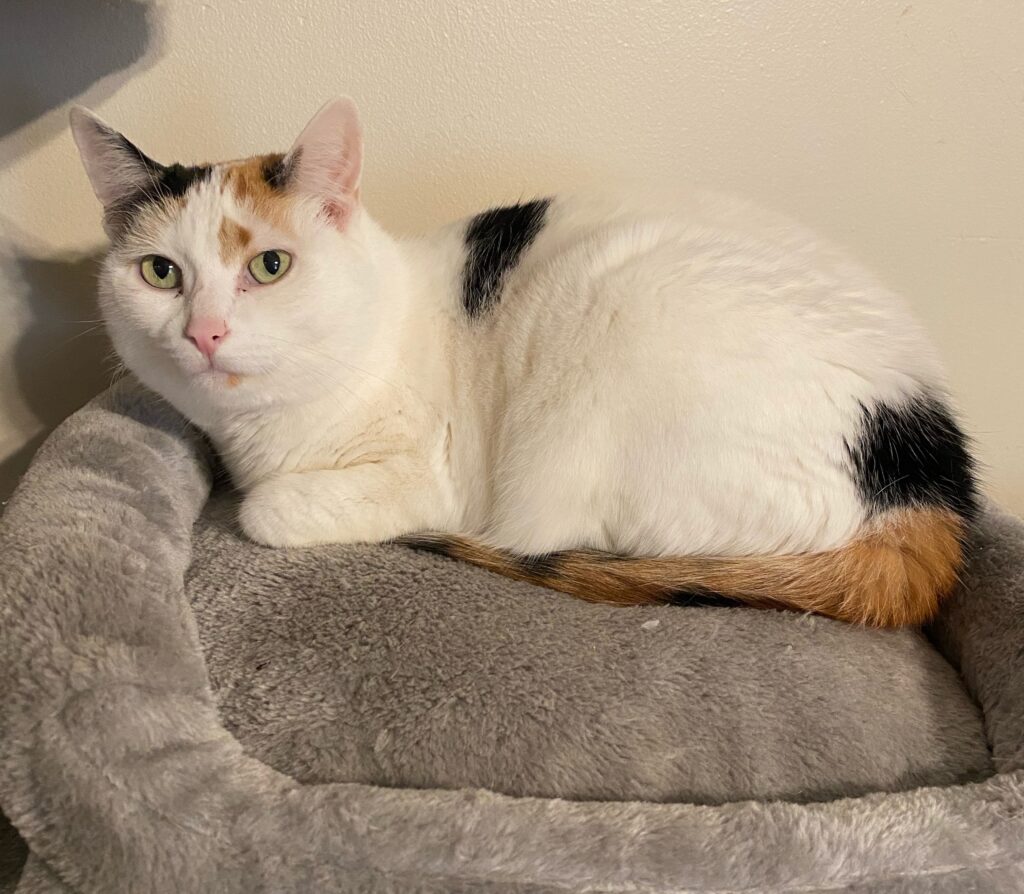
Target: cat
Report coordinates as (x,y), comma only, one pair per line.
(631,406)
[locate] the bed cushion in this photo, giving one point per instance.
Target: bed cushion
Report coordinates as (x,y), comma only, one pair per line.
(117,769)
(386,666)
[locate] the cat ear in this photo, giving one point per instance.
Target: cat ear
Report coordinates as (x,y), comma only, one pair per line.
(116,168)
(326,160)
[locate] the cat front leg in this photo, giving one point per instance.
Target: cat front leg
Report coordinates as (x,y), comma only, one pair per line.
(366,503)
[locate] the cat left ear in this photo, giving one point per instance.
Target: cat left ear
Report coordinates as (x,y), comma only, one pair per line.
(326,160)
(116,168)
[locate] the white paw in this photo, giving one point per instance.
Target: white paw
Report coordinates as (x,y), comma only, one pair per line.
(280,514)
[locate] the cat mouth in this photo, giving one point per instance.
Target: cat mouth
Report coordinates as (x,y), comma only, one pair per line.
(217,375)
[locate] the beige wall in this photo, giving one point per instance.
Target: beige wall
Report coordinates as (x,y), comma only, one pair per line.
(897,127)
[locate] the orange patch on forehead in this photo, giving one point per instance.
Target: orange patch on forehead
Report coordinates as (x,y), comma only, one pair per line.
(234,240)
(255,184)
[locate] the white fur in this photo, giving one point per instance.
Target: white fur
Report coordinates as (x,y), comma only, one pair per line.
(650,383)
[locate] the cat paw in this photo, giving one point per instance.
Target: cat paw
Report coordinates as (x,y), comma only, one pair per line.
(276,514)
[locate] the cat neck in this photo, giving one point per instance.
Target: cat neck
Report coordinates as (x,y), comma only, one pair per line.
(400,371)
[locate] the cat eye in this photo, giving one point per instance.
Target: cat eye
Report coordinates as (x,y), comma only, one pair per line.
(269,266)
(160,272)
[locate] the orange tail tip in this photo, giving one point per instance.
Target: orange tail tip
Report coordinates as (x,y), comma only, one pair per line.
(894,574)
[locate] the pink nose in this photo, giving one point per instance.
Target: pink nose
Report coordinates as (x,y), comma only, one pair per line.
(207,334)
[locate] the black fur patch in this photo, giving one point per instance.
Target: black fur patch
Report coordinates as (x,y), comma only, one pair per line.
(914,454)
(427,543)
(699,598)
(277,169)
(165,182)
(495,240)
(541,565)
(176,180)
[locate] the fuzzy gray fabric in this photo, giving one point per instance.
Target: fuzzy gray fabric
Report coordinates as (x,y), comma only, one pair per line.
(186,711)
(387,667)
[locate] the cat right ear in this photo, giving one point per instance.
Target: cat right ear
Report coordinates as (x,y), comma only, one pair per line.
(116,168)
(325,162)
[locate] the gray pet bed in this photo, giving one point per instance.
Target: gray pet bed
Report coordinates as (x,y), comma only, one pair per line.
(184,711)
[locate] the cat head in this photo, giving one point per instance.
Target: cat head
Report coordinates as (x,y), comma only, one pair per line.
(235,286)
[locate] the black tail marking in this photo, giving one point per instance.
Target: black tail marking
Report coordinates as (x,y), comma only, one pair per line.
(698,599)
(428,543)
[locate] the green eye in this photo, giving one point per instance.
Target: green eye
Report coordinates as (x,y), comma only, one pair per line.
(160,272)
(270,266)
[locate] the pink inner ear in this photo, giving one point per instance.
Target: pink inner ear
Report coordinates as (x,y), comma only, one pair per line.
(339,212)
(328,159)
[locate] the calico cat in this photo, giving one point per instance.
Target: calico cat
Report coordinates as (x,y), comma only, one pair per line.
(628,405)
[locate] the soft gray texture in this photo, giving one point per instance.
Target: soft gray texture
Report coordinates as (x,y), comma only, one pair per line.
(394,668)
(376,665)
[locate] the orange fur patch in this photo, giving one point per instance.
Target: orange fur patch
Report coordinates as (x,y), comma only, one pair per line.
(894,574)
(234,240)
(247,183)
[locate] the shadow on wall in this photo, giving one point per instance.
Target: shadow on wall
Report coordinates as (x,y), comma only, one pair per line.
(50,54)
(63,357)
(12,855)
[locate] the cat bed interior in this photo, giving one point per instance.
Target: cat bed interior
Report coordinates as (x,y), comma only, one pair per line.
(187,711)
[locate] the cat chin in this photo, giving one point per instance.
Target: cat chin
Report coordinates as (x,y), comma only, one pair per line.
(209,398)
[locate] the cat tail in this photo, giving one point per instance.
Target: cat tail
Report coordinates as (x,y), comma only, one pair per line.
(893,573)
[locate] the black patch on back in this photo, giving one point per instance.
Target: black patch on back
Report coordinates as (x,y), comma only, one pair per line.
(914,453)
(277,169)
(495,240)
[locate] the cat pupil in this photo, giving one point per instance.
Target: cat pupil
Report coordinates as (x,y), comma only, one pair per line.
(271,261)
(161,267)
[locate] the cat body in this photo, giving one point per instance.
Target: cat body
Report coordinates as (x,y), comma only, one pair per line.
(625,402)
